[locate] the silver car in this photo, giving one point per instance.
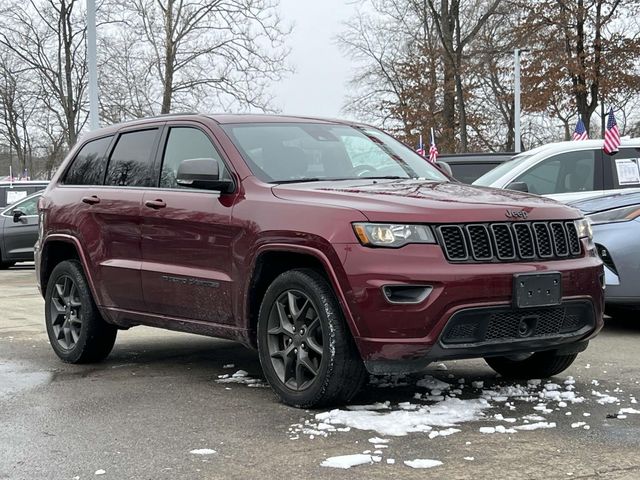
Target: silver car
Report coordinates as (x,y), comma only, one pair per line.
(569,171)
(615,221)
(18,231)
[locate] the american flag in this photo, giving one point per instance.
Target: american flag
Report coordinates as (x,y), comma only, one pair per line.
(433,150)
(420,147)
(611,135)
(580,132)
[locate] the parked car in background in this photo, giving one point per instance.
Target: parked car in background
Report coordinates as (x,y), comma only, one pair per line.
(329,246)
(468,167)
(11,192)
(19,231)
(568,171)
(615,221)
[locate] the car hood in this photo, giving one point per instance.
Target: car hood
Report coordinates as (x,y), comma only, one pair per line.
(608,202)
(425,201)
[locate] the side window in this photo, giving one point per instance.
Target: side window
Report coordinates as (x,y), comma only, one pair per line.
(184,143)
(28,207)
(563,173)
(131,163)
(626,168)
(89,165)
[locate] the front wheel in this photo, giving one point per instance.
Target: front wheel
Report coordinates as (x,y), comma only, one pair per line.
(76,330)
(536,365)
(306,350)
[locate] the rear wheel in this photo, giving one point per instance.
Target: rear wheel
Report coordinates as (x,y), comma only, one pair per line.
(539,364)
(306,350)
(76,330)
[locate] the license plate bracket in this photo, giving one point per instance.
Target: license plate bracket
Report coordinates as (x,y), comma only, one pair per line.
(537,289)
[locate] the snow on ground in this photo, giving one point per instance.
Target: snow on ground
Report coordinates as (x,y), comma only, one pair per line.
(348,461)
(422,463)
(241,377)
(202,451)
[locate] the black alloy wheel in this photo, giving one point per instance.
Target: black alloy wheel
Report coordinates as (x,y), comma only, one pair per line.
(295,343)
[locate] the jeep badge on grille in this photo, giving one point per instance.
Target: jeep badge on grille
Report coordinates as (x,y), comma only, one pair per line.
(516,214)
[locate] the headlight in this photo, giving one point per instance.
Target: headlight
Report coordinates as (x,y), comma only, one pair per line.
(583,226)
(623,214)
(392,235)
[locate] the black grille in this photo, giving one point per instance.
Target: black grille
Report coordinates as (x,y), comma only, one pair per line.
(504,242)
(501,324)
(453,242)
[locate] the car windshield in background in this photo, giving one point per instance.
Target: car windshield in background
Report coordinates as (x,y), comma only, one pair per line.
(492,175)
(298,152)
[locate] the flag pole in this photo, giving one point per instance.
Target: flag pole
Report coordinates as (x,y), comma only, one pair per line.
(433,138)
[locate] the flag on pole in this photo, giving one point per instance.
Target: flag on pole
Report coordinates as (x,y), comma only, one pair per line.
(611,135)
(433,150)
(580,133)
(420,147)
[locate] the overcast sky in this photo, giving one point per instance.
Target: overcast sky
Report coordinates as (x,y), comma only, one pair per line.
(318,87)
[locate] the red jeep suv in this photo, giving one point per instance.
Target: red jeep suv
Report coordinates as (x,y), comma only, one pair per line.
(329,246)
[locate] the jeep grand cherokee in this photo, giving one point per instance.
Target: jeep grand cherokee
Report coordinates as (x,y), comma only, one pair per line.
(329,246)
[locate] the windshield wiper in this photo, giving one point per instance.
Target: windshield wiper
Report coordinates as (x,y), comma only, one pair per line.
(314,179)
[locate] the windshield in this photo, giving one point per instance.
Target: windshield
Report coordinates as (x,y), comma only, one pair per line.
(295,152)
(491,176)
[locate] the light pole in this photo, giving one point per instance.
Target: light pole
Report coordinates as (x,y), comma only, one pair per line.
(516,99)
(94,122)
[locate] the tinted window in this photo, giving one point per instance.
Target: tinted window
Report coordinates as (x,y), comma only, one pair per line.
(469,172)
(89,165)
(282,152)
(626,168)
(184,143)
(131,162)
(563,173)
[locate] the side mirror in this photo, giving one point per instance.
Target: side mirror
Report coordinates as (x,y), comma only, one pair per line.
(445,167)
(202,173)
(518,187)
(17,215)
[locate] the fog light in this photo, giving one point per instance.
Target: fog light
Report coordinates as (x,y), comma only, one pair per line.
(407,294)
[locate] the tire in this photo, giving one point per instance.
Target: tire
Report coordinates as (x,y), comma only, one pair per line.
(321,342)
(76,330)
(538,365)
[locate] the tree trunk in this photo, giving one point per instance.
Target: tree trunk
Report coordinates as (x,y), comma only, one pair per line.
(169,57)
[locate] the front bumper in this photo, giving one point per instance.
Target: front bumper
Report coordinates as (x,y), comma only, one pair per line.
(405,337)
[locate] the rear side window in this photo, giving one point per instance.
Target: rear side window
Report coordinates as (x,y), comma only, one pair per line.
(131,163)
(186,143)
(89,165)
(563,173)
(626,168)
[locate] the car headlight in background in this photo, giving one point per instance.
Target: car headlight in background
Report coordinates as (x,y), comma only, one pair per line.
(583,226)
(392,235)
(623,214)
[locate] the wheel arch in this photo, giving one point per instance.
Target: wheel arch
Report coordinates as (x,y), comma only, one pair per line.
(270,261)
(56,249)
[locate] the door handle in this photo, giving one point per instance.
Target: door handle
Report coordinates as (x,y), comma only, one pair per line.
(92,200)
(155,204)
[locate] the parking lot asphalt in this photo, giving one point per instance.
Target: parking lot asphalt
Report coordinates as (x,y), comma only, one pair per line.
(157,409)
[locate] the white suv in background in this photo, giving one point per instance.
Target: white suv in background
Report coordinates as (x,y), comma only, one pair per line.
(569,171)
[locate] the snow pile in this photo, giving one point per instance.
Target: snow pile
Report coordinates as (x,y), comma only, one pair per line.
(422,463)
(348,461)
(202,451)
(604,398)
(448,413)
(241,377)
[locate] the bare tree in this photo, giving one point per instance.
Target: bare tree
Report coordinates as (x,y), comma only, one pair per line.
(48,38)
(223,53)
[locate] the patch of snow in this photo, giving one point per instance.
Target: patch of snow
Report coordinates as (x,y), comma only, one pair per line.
(229,365)
(391,461)
(536,426)
(447,413)
(378,440)
(603,398)
(100,472)
(373,406)
(422,463)
(202,451)
(470,459)
(443,433)
(578,424)
(628,410)
(347,461)
(477,384)
(441,366)
(432,383)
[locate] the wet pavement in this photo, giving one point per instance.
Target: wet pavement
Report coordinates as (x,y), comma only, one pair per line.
(158,397)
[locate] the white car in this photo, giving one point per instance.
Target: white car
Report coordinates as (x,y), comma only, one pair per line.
(569,171)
